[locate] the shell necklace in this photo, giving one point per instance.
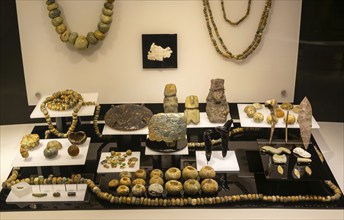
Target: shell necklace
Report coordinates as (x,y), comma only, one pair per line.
(79,41)
(224,51)
(241,19)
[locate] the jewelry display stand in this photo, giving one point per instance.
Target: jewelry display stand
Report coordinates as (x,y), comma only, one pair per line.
(59,115)
(245,121)
(101,169)
(217,162)
(79,189)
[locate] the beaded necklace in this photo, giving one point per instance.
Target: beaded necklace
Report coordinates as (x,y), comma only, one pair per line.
(66,100)
(79,41)
(241,19)
(224,51)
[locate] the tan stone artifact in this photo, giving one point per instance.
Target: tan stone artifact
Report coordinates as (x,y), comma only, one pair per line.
(192,186)
(189,172)
(173,187)
(169,127)
(217,107)
(191,109)
(170,100)
(207,172)
(209,186)
(173,173)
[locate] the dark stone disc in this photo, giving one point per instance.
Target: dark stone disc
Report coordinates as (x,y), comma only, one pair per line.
(128,117)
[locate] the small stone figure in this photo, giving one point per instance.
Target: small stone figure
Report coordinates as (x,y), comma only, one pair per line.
(224,133)
(208,144)
(191,109)
(170,100)
(217,107)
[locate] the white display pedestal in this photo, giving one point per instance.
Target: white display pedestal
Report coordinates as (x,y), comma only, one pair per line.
(245,121)
(103,156)
(37,159)
(217,162)
(84,110)
(203,123)
(79,189)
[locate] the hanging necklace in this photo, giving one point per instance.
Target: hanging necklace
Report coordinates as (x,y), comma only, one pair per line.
(225,52)
(241,19)
(79,41)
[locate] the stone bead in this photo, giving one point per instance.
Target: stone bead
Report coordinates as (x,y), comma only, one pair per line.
(192,187)
(107,12)
(61,28)
(72,37)
(156,172)
(104,28)
(156,179)
(108,5)
(173,173)
(138,190)
(106,19)
(140,173)
(65,36)
(52,6)
(54,13)
(173,187)
(81,42)
(99,35)
(91,38)
(209,186)
(189,172)
(48,2)
(207,172)
(139,181)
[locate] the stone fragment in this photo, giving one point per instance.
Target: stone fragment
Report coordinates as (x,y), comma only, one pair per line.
(169,127)
(305,121)
(217,107)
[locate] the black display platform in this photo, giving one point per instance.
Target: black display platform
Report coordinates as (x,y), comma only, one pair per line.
(250,180)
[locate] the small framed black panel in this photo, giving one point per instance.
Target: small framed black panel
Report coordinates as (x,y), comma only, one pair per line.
(159,50)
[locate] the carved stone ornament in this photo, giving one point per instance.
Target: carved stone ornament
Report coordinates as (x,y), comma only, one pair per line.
(305,121)
(191,109)
(217,107)
(128,117)
(167,127)
(171,99)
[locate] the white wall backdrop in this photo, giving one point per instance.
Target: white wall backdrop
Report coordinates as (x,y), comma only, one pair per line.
(114,67)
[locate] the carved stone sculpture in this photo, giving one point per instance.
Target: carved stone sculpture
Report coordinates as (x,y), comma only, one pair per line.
(217,107)
(167,127)
(191,109)
(170,100)
(305,121)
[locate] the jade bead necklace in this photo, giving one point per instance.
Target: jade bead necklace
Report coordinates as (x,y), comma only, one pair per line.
(79,41)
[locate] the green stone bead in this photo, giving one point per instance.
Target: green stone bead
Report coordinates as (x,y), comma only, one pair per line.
(50,2)
(65,36)
(81,42)
(92,38)
(106,19)
(72,37)
(57,21)
(103,27)
(108,5)
(54,13)
(99,35)
(107,12)
(52,6)
(61,28)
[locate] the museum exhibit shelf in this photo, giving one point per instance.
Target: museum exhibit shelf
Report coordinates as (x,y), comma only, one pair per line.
(203,123)
(245,121)
(243,173)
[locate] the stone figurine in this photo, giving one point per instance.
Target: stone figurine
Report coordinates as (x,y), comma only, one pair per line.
(191,109)
(217,107)
(170,100)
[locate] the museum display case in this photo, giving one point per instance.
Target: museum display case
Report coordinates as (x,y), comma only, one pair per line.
(121,137)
